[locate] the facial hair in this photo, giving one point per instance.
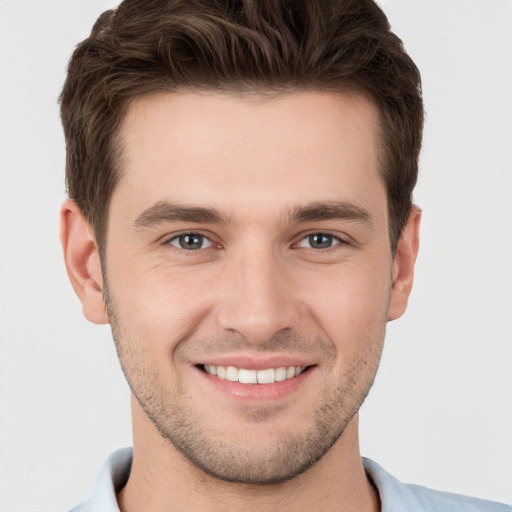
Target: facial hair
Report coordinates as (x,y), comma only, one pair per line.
(239,460)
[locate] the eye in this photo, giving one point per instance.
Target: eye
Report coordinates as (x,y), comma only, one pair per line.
(319,241)
(190,241)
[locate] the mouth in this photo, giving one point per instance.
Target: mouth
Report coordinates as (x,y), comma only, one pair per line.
(254,380)
(247,376)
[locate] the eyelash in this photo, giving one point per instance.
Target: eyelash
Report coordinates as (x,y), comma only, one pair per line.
(335,241)
(189,234)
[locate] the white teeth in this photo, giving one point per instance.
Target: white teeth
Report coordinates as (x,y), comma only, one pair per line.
(221,372)
(232,373)
(247,376)
(280,374)
(267,376)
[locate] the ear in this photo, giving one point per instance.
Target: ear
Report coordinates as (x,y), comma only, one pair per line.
(82,259)
(403,265)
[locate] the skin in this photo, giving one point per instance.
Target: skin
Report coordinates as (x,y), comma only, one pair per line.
(253,178)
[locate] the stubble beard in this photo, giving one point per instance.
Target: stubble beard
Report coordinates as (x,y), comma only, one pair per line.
(238,461)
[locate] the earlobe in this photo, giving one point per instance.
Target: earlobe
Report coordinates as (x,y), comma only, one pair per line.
(82,259)
(403,265)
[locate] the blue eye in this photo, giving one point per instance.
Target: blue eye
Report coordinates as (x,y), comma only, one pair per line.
(319,241)
(190,242)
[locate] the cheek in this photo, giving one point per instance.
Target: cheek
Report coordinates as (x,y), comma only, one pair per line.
(351,304)
(159,307)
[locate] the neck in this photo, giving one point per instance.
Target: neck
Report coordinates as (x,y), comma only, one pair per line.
(163,480)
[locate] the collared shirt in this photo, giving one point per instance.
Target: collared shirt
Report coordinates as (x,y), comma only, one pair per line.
(394,495)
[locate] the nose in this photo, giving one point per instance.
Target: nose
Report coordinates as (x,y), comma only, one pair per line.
(257,297)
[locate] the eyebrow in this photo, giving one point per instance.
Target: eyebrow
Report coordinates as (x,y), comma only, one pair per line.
(331,211)
(164,211)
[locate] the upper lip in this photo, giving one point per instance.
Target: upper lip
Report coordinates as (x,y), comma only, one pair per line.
(256,362)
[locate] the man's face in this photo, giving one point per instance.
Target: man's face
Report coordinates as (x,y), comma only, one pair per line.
(248,239)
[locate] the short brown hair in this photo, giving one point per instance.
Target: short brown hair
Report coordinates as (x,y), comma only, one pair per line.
(279,46)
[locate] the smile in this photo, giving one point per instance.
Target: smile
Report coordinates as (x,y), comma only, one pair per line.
(244,376)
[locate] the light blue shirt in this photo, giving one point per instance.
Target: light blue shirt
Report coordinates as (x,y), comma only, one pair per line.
(394,495)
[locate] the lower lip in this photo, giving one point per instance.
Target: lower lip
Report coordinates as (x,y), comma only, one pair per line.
(257,392)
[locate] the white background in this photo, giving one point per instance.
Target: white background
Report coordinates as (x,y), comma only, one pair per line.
(440,413)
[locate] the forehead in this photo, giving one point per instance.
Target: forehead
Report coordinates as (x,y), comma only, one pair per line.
(268,153)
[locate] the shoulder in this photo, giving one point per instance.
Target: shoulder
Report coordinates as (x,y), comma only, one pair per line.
(429,499)
(112,477)
(398,497)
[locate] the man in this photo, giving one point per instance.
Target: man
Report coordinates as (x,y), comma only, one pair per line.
(240,178)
